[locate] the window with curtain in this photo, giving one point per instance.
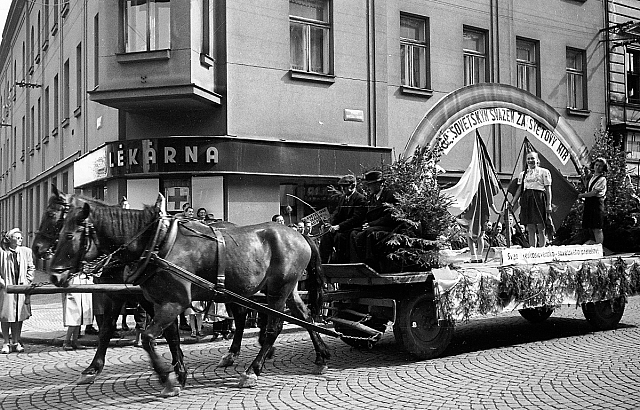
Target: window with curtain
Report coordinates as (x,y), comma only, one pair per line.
(414,51)
(309,33)
(576,84)
(527,65)
(474,45)
(147,25)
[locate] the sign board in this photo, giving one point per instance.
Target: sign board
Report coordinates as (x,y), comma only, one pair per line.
(530,256)
(318,217)
(176,198)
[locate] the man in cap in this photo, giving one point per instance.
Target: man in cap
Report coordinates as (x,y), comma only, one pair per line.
(348,215)
(378,219)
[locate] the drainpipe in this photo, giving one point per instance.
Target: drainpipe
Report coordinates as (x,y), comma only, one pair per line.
(371,74)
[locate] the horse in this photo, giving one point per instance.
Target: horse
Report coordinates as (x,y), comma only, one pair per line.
(44,244)
(269,257)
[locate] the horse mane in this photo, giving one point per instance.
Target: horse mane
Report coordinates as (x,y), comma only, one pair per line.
(115,222)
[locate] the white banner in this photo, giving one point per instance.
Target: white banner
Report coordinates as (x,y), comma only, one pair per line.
(530,256)
(451,135)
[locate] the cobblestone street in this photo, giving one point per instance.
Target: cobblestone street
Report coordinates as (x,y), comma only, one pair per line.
(496,362)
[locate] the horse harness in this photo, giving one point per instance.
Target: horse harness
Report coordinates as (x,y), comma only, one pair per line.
(155,251)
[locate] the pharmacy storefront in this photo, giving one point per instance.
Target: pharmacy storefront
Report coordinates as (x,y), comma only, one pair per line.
(241,180)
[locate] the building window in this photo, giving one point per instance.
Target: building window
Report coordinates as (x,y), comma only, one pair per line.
(414,51)
(65,90)
(633,75)
(527,66)
(55,13)
(474,44)
(45,25)
(45,122)
(147,25)
(96,49)
(207,27)
(576,84)
(79,76)
(56,101)
(309,34)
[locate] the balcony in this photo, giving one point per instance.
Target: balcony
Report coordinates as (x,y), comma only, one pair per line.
(156,80)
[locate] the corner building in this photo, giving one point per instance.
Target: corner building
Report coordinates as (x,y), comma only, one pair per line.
(232,105)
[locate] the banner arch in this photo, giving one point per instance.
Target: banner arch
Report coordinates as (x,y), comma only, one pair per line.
(453,117)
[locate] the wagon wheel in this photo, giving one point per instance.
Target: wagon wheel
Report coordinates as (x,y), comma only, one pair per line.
(605,314)
(421,328)
(537,314)
(374,323)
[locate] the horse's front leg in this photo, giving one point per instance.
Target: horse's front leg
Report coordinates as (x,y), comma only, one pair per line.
(164,316)
(112,306)
(172,336)
(239,317)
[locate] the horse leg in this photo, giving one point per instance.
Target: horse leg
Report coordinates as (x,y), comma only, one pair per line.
(239,317)
(172,336)
(164,315)
(274,326)
(299,310)
(262,325)
(112,306)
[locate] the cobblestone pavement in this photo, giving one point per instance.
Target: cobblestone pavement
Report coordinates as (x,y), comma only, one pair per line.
(498,362)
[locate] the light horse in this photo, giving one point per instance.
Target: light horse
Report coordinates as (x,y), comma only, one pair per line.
(268,257)
(44,245)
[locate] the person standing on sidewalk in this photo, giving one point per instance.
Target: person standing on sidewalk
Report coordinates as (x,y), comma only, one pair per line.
(16,268)
(77,310)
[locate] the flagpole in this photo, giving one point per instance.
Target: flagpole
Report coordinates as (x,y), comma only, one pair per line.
(510,208)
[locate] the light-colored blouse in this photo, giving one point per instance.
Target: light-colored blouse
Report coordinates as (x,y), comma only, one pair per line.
(537,178)
(600,186)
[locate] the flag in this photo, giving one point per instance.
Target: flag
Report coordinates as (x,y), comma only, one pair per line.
(473,195)
(563,194)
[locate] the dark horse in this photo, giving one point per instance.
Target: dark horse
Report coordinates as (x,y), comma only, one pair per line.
(268,257)
(44,245)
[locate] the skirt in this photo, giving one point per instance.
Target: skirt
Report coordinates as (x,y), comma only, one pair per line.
(593,214)
(533,207)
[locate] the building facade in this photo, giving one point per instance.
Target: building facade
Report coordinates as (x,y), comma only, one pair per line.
(237,105)
(622,31)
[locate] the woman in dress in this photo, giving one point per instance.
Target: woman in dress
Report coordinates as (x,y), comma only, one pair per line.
(16,268)
(535,199)
(596,190)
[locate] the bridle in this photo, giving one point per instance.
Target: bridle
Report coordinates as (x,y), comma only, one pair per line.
(54,237)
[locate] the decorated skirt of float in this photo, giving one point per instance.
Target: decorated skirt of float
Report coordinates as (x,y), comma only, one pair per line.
(535,277)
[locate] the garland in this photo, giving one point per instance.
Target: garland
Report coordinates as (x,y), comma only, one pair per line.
(529,286)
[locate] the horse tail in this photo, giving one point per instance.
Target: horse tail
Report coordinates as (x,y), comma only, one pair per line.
(315,278)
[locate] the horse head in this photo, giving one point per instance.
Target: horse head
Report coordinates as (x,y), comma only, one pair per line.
(46,237)
(91,230)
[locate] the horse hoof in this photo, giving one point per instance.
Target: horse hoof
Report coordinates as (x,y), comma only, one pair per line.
(320,369)
(227,360)
(248,380)
(171,387)
(87,379)
(170,392)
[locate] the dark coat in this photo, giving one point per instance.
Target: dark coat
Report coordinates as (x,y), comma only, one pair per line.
(379,211)
(350,212)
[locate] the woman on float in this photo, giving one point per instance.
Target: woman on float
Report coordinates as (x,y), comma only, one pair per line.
(535,199)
